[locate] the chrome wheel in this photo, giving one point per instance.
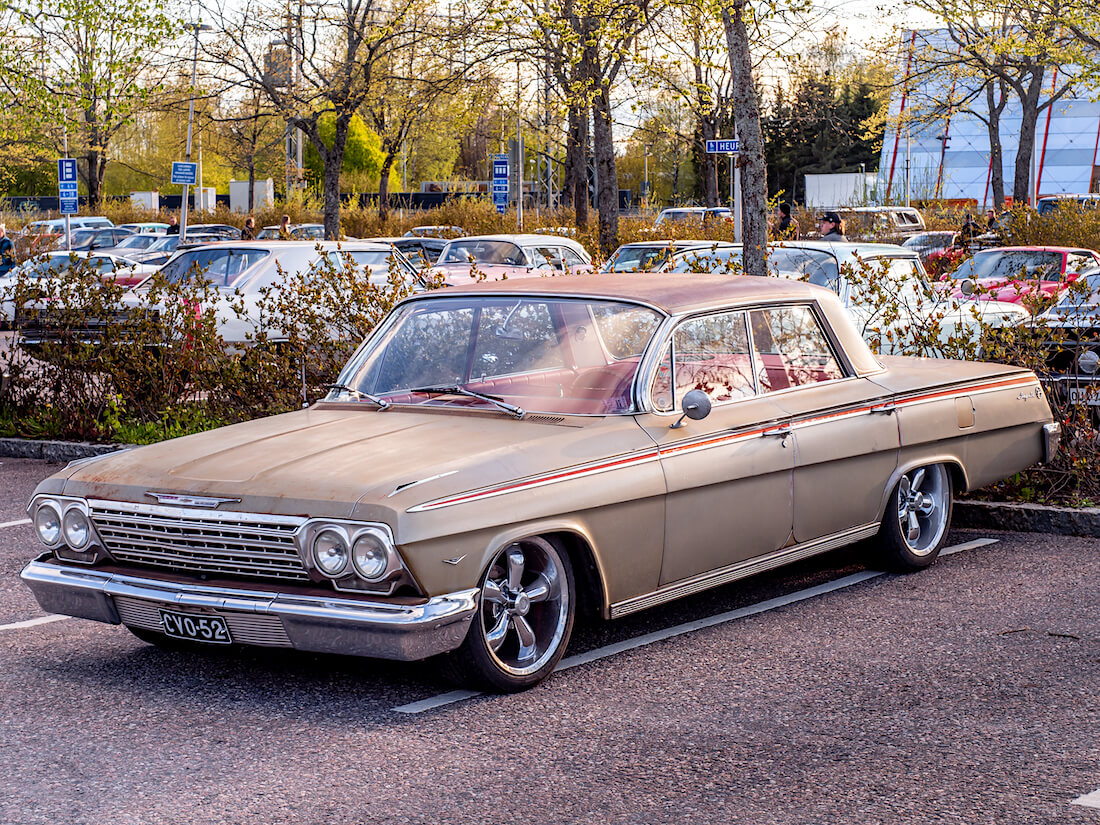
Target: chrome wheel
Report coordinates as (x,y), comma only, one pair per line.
(525,607)
(923,505)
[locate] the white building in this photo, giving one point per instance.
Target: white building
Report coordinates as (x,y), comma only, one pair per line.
(1067,137)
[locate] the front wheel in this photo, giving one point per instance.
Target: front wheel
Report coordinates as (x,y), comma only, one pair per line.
(917,517)
(525,617)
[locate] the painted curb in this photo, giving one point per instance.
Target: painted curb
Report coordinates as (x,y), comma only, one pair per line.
(1027,518)
(56,451)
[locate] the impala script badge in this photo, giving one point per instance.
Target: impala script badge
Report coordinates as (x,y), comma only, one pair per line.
(189,501)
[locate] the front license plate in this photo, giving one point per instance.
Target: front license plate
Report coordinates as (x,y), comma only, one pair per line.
(210,629)
(1085,395)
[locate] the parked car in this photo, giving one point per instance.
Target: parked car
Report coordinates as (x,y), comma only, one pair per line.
(108,266)
(222,231)
(147,227)
(498,458)
(692,214)
(56,226)
(298,232)
(496,257)
(241,271)
(445,232)
(1050,204)
(85,240)
(915,302)
(421,250)
(886,223)
(1009,273)
(927,244)
(648,256)
(132,244)
(161,250)
(1073,359)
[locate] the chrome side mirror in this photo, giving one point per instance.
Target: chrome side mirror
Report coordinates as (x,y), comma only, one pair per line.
(696,406)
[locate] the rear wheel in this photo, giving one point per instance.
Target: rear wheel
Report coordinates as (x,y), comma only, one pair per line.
(524,619)
(917,517)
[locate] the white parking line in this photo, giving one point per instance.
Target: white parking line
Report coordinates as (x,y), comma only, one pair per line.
(687,627)
(1089,800)
(33,622)
(15,523)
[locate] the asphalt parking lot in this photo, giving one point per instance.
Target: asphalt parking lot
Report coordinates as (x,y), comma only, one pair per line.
(962,694)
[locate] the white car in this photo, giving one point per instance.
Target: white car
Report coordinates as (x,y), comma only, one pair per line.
(241,270)
(107,266)
(497,257)
(840,268)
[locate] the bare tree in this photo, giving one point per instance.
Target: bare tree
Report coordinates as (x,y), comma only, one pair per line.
(320,59)
(249,136)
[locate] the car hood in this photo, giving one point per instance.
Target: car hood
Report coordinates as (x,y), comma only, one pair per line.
(325,460)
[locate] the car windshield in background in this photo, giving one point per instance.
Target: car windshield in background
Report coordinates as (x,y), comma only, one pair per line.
(374,263)
(484,252)
(813,265)
(638,258)
(1015,263)
(1083,296)
(136,242)
(564,356)
(219,266)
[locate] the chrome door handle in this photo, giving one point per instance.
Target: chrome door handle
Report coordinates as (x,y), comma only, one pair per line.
(779,432)
(885,408)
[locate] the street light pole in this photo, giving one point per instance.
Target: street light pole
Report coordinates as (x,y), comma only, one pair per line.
(197,27)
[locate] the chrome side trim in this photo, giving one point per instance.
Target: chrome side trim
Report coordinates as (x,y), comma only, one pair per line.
(741,570)
(324,624)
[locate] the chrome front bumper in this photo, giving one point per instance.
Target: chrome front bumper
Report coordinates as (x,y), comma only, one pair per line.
(318,623)
(1052,438)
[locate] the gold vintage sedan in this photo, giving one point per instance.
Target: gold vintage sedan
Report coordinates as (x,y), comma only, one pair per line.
(499,457)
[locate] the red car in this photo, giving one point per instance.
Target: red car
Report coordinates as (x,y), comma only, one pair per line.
(1009,273)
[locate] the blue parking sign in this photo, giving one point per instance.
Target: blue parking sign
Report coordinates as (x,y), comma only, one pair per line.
(68,202)
(499,186)
(185,173)
(66,170)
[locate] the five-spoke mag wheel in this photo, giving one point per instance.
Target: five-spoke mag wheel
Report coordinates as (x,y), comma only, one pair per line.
(917,517)
(524,619)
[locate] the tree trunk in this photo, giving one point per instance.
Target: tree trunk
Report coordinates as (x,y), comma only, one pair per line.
(333,160)
(746,114)
(94,179)
(575,189)
(1029,111)
(996,155)
(384,185)
(251,185)
(607,181)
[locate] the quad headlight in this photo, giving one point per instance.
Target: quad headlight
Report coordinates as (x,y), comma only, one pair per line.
(330,551)
(64,525)
(356,555)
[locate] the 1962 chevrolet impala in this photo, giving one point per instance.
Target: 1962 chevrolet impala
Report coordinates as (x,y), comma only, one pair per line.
(501,456)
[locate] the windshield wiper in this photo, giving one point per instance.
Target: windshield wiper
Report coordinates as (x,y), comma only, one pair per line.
(381,402)
(454,389)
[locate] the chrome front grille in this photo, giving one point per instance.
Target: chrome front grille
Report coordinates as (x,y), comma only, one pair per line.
(231,544)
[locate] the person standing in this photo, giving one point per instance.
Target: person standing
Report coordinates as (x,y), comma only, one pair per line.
(249,231)
(832,228)
(786,228)
(7,251)
(284,228)
(173,226)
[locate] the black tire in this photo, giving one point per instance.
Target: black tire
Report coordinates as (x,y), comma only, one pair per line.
(493,656)
(922,500)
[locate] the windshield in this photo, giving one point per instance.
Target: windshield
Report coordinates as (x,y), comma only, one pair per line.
(484,252)
(1016,263)
(814,265)
(563,356)
(219,265)
(137,242)
(638,258)
(374,263)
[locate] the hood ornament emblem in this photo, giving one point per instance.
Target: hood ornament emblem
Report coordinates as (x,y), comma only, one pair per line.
(207,502)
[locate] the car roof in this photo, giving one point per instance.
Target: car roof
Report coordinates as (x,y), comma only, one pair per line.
(306,244)
(677,245)
(1062,249)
